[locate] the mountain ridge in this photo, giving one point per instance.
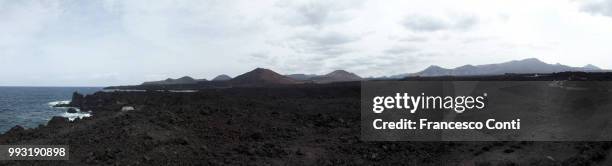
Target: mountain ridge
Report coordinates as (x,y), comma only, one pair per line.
(334,76)
(169,81)
(262,76)
(529,65)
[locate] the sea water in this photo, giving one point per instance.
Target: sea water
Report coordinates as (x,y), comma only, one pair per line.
(32,106)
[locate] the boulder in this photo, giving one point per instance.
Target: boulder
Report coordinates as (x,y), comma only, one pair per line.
(72,110)
(15,130)
(57,121)
(77,99)
(127,108)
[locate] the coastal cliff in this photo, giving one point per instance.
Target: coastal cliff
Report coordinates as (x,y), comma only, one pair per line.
(298,125)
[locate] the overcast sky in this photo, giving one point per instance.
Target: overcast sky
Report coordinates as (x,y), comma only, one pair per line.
(118,42)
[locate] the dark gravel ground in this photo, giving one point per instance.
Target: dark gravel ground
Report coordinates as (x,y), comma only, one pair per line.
(299,125)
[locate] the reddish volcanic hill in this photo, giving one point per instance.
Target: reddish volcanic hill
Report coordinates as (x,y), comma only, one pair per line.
(337,76)
(344,75)
(261,76)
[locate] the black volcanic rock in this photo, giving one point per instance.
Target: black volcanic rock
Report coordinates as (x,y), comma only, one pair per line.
(71,110)
(222,77)
(261,76)
(170,81)
(337,76)
(290,125)
(57,121)
(77,99)
(15,129)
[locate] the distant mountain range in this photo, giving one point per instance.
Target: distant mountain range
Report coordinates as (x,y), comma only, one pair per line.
(335,76)
(261,76)
(530,65)
(170,81)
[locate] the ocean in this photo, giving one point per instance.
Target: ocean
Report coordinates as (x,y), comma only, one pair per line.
(32,106)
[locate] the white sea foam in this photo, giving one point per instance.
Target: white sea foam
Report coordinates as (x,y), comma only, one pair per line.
(79,114)
(54,103)
(178,91)
(138,90)
(71,116)
(123,90)
(183,91)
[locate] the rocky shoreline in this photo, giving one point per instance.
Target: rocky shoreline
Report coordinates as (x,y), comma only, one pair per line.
(286,125)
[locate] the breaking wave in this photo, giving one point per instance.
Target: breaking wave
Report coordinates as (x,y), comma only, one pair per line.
(54,103)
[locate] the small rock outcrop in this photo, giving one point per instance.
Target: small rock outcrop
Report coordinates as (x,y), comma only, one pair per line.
(77,99)
(57,121)
(15,130)
(72,110)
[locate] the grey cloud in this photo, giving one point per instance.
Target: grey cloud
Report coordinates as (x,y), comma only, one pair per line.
(400,50)
(313,14)
(333,38)
(414,39)
(426,23)
(469,40)
(317,13)
(263,58)
(328,43)
(259,55)
(329,50)
(598,7)
(465,22)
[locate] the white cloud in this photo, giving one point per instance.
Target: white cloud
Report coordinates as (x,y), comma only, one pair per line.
(598,7)
(316,13)
(70,42)
(424,23)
